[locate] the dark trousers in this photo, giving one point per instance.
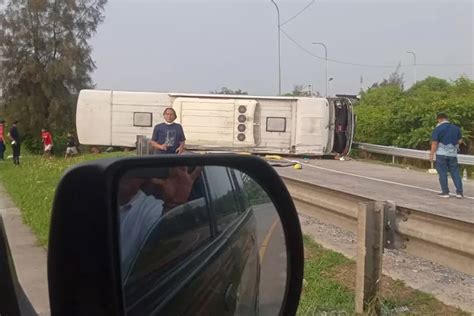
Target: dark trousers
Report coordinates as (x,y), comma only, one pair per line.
(16,153)
(2,149)
(445,164)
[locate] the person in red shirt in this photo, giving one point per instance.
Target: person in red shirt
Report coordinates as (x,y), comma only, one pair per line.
(47,139)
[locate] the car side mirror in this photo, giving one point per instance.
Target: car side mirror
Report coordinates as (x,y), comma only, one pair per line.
(174,235)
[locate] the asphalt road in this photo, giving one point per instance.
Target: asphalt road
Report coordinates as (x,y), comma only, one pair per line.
(273,260)
(409,188)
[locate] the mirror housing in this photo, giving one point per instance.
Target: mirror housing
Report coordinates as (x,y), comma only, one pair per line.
(83,253)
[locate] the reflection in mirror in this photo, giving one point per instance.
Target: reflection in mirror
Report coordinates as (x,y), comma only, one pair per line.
(199,241)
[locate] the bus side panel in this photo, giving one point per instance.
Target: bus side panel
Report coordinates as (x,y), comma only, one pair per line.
(275,126)
(136,113)
(312,123)
(211,123)
(206,121)
(94,117)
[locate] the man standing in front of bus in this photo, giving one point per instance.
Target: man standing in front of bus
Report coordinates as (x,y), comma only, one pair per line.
(168,137)
(445,142)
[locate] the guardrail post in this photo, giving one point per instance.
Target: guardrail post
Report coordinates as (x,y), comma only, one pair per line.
(370,245)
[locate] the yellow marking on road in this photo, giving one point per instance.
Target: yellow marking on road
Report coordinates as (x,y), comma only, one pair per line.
(266,240)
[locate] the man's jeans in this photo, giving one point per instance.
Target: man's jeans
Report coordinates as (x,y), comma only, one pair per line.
(445,164)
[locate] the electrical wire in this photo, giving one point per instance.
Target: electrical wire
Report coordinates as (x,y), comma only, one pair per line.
(297,14)
(307,51)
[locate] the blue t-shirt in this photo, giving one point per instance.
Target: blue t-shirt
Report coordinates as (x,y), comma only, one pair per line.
(447,135)
(171,135)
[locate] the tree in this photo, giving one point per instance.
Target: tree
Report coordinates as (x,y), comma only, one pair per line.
(394,79)
(387,115)
(300,91)
(225,90)
(47,59)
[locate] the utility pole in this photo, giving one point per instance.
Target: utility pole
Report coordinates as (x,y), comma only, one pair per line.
(414,65)
(279,48)
(326,58)
(329,81)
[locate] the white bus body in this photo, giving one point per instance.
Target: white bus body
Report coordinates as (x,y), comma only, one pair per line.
(256,124)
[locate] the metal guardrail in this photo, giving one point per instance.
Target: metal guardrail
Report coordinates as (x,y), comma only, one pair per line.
(407,153)
(143,146)
(436,238)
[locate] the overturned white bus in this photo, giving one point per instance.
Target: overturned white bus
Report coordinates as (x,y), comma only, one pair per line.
(255,124)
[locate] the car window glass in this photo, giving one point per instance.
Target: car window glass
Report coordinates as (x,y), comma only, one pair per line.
(224,197)
(241,179)
(165,241)
(253,191)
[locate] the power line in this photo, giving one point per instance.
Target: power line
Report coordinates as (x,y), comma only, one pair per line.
(297,14)
(307,51)
(443,65)
(329,59)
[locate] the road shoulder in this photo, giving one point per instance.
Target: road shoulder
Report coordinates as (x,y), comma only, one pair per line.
(29,258)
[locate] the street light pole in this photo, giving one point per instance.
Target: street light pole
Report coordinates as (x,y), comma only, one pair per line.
(329,81)
(279,48)
(326,58)
(414,65)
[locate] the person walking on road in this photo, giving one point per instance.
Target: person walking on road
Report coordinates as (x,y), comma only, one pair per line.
(2,140)
(168,137)
(14,136)
(445,141)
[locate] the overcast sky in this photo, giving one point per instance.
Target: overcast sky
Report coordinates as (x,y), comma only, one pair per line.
(199,46)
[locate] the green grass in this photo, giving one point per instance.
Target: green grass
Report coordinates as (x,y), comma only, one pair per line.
(320,292)
(329,283)
(32,184)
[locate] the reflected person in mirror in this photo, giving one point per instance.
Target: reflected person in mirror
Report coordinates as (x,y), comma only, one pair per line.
(176,189)
(137,214)
(168,137)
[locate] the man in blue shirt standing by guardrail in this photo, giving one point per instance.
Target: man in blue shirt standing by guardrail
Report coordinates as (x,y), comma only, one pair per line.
(445,141)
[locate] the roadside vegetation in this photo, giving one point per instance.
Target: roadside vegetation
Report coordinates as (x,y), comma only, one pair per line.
(32,184)
(329,287)
(389,115)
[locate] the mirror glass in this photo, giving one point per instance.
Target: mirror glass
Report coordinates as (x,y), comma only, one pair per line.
(199,241)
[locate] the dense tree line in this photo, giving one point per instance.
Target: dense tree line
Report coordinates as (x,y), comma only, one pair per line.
(46,61)
(389,115)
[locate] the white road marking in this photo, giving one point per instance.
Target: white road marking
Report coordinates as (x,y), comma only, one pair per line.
(376,179)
